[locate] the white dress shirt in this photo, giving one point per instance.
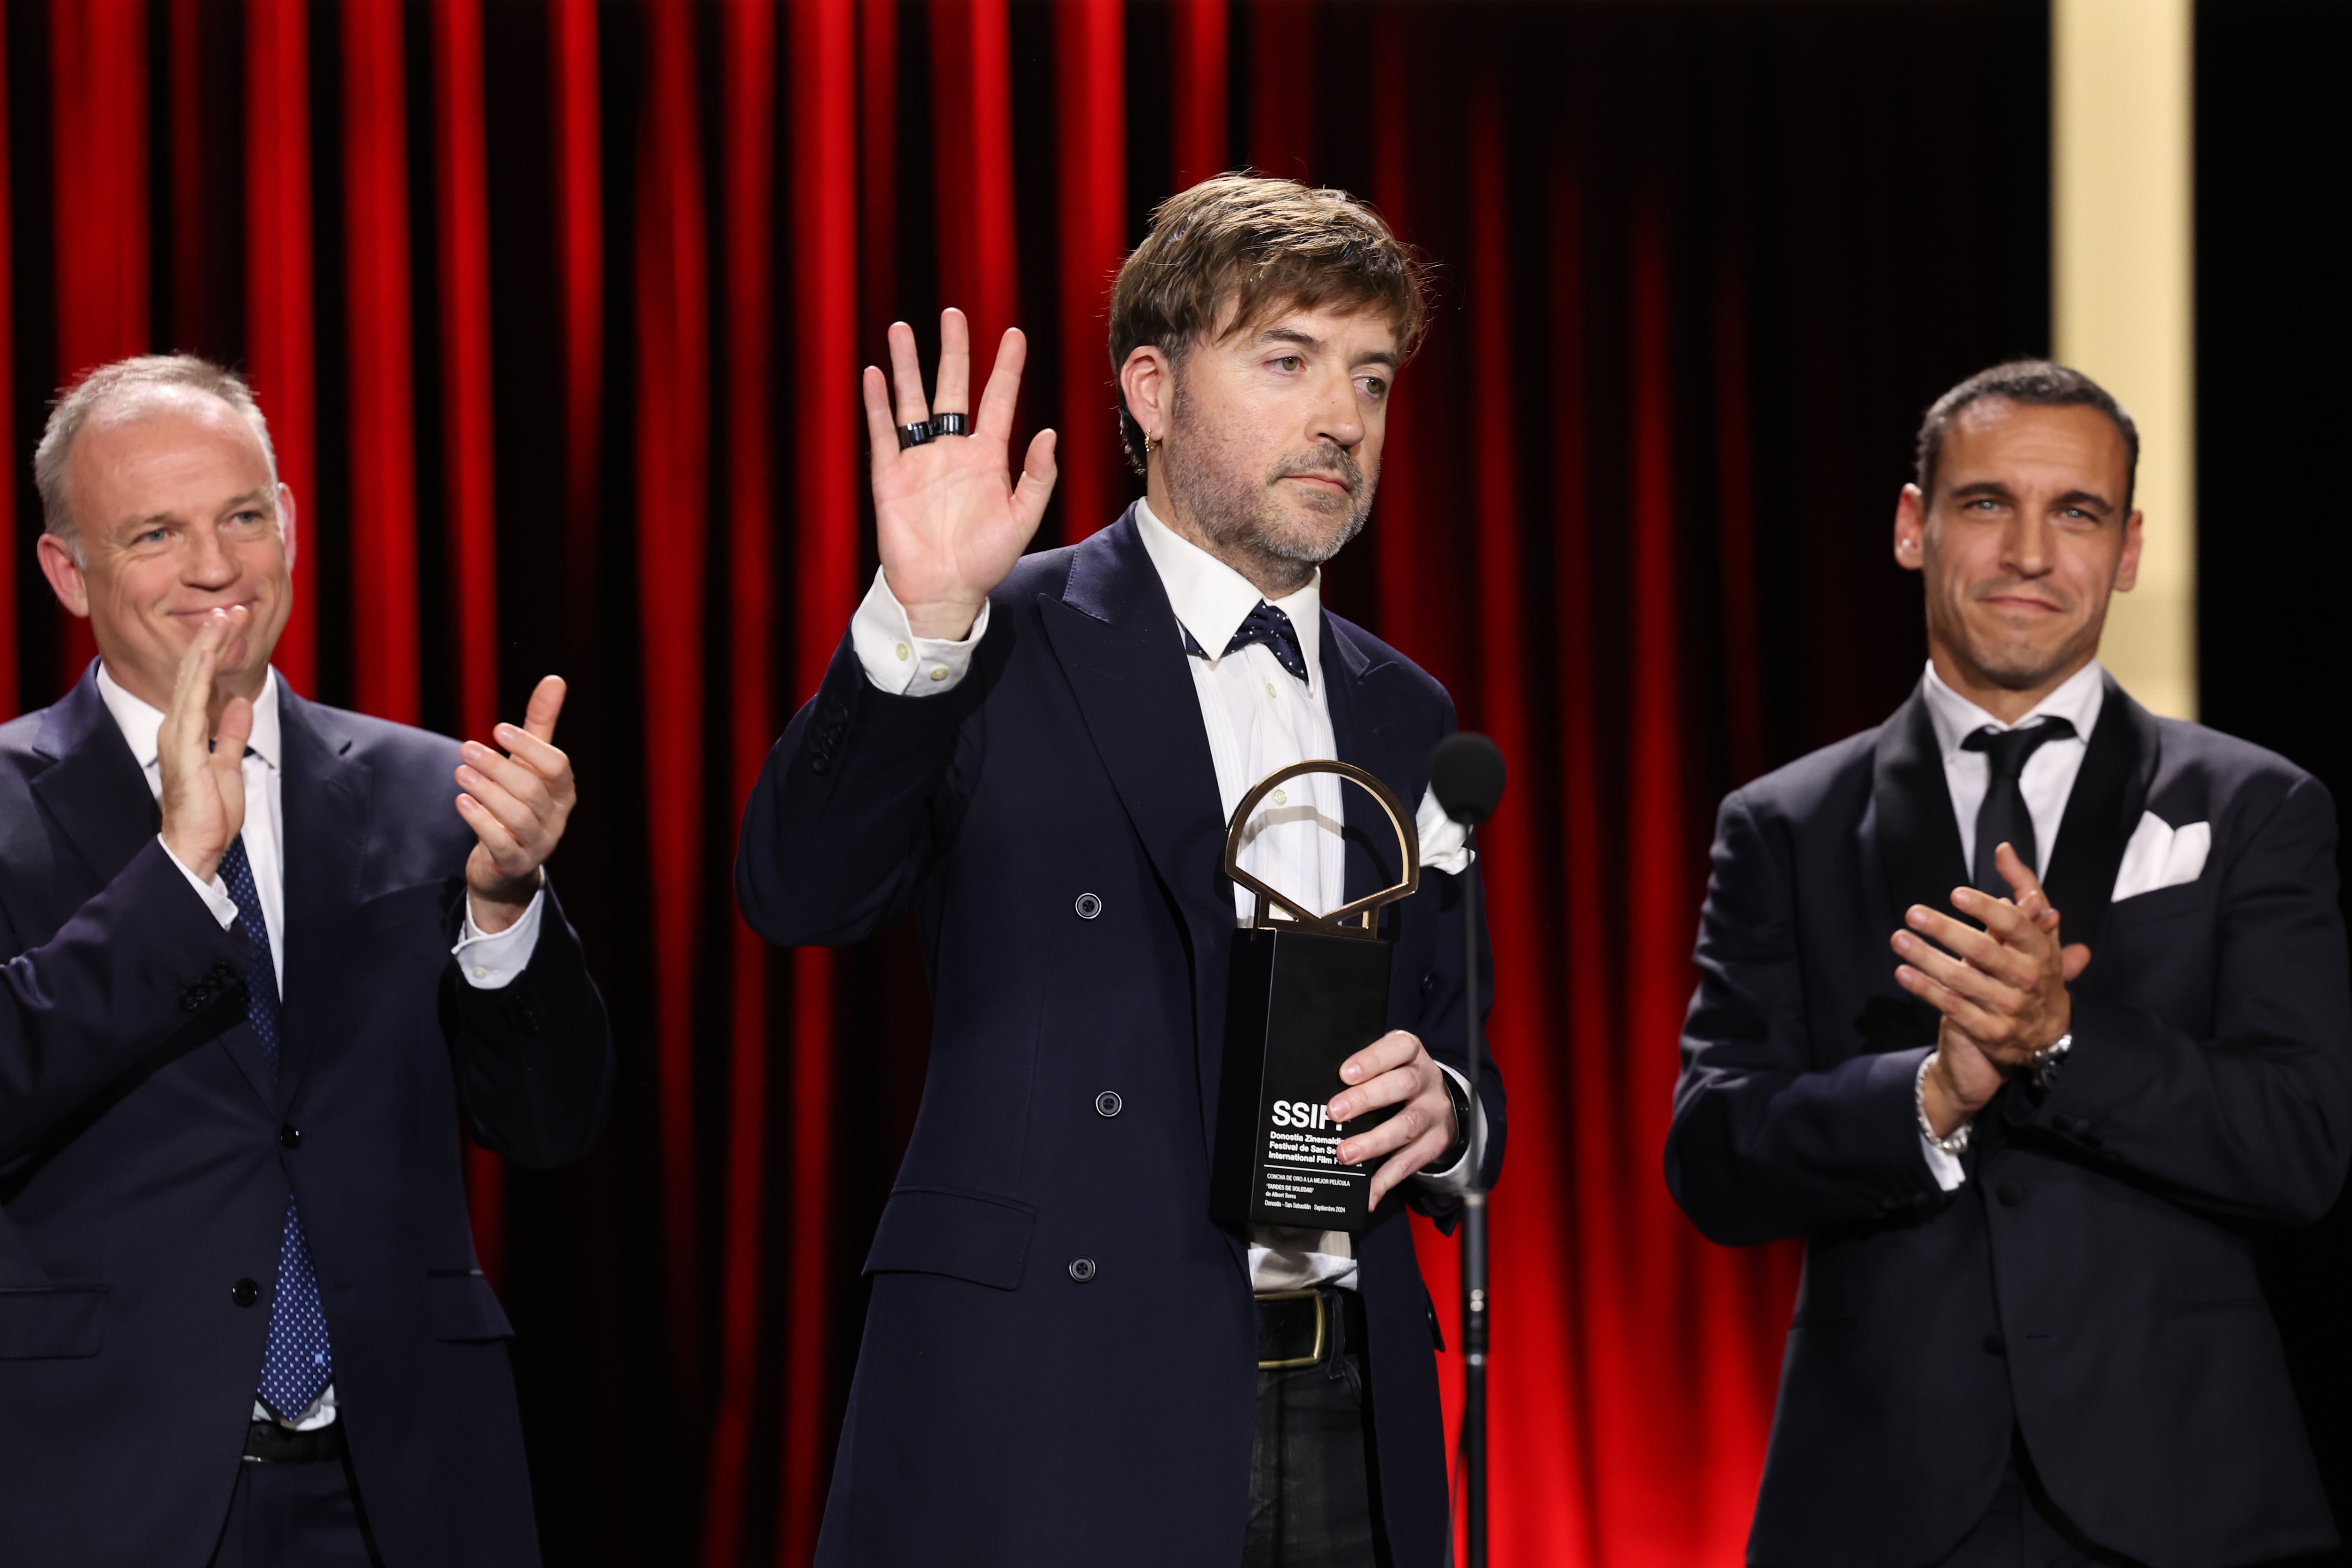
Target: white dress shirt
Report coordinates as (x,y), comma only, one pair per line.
(2046,782)
(1259,717)
(487,961)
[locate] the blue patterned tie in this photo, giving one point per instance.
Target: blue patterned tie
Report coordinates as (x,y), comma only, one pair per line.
(298,1362)
(1263,625)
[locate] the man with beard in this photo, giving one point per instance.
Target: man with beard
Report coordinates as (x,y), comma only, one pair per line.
(1065,1358)
(2029,1150)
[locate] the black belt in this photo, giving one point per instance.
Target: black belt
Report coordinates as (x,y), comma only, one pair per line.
(1308,1328)
(267,1443)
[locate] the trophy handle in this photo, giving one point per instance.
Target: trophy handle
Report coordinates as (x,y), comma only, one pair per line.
(1366,908)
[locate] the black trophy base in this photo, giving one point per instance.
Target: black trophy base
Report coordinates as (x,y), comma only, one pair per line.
(1300,1003)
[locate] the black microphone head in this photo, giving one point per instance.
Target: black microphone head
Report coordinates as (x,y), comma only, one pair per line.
(1465,774)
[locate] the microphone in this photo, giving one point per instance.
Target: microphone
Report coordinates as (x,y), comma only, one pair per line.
(1465,774)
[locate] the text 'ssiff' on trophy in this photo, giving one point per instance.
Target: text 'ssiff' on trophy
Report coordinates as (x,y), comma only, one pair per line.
(1309,991)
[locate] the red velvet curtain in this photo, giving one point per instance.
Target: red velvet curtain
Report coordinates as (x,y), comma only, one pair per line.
(556,311)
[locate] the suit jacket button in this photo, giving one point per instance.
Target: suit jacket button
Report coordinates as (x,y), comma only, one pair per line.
(192,1000)
(1082,1269)
(2009,1194)
(290,1137)
(1109,1104)
(1429,982)
(244,1292)
(1088,907)
(1994,1345)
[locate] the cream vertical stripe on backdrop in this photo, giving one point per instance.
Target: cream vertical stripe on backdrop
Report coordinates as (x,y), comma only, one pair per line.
(2123,310)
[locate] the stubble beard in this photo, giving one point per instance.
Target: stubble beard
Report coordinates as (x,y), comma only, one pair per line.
(2013,662)
(1246,517)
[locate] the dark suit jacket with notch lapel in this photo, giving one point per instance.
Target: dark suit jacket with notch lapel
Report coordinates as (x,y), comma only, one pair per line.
(1003,1411)
(144,1172)
(2092,1284)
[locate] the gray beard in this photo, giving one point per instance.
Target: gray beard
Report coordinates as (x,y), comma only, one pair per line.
(1240,514)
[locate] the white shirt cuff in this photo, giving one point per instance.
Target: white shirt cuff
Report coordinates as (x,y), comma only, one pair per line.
(899,662)
(1454,1180)
(1946,1168)
(1444,843)
(214,892)
(489,962)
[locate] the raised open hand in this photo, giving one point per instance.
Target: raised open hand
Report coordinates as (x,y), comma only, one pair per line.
(517,805)
(950,517)
(203,767)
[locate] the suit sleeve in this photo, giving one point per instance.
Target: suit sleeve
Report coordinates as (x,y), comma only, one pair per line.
(2255,1122)
(848,812)
(1442,1031)
(1762,1147)
(139,967)
(533,1059)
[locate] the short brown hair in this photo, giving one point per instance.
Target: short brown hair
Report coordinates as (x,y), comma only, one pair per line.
(2043,384)
(1265,246)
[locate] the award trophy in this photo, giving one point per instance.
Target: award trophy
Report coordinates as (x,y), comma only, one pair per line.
(1307,992)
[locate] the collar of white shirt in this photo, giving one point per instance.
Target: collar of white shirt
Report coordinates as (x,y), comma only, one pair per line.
(2077,700)
(141,723)
(1211,600)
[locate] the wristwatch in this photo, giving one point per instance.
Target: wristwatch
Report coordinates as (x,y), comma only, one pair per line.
(1957,1142)
(2043,1065)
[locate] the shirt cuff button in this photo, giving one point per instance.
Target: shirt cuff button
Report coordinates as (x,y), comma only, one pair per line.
(939,671)
(904,651)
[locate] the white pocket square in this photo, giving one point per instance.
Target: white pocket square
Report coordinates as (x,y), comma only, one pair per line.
(2161,855)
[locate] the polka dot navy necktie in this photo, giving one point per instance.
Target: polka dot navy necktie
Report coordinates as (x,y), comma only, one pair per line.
(298,1362)
(1263,625)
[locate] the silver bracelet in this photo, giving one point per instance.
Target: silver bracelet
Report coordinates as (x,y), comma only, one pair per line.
(1958,1144)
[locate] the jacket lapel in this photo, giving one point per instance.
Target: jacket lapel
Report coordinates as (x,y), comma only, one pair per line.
(97,796)
(1917,844)
(96,793)
(2109,794)
(1918,837)
(1117,639)
(1350,672)
(325,797)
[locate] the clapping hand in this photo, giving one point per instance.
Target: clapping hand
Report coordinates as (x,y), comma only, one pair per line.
(949,518)
(517,803)
(2001,990)
(203,765)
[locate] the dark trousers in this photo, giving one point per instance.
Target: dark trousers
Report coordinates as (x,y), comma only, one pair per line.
(1314,1475)
(296,1514)
(2023,1529)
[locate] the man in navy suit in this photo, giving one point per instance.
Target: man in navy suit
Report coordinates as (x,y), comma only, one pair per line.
(1065,1359)
(259,973)
(2029,1150)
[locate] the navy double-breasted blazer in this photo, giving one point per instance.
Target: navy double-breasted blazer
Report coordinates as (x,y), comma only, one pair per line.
(1005,1409)
(2091,1285)
(146,1152)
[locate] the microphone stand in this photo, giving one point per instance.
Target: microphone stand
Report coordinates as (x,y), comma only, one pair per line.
(1474,1240)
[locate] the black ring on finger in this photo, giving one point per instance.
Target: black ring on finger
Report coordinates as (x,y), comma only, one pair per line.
(915,434)
(947,425)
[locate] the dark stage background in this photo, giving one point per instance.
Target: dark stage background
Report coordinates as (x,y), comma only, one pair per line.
(557,312)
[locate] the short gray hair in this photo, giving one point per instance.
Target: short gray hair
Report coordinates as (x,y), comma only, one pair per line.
(82,398)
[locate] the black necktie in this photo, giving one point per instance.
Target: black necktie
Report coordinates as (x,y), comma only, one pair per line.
(1263,625)
(2003,817)
(299,1361)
